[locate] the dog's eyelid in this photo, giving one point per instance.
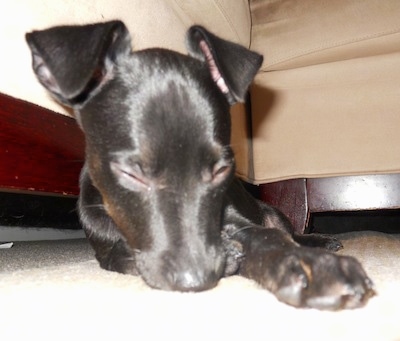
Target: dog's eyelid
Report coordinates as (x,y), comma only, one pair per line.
(130,177)
(219,172)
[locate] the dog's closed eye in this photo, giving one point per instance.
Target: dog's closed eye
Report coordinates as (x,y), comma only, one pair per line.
(130,177)
(219,172)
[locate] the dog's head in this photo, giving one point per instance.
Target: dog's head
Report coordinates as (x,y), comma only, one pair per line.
(157,131)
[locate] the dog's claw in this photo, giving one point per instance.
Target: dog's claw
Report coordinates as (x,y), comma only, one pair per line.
(333,245)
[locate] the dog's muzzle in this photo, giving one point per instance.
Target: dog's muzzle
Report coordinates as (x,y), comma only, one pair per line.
(182,273)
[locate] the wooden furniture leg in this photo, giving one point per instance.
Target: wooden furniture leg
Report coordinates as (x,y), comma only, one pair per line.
(300,198)
(290,197)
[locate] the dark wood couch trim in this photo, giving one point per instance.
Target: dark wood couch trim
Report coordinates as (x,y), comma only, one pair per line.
(41,151)
(299,198)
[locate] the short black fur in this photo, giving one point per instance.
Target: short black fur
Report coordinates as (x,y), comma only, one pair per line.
(159,197)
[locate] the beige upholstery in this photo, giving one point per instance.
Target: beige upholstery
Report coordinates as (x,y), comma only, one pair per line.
(326,101)
(292,34)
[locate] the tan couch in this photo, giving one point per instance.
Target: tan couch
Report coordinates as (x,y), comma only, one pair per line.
(325,103)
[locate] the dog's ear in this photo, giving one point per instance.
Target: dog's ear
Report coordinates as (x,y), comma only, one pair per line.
(72,62)
(232,66)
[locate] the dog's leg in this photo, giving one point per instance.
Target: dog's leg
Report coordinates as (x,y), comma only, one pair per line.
(273,218)
(262,214)
(298,275)
(302,276)
(110,248)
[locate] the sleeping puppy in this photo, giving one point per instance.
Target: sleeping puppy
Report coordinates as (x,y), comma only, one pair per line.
(158,196)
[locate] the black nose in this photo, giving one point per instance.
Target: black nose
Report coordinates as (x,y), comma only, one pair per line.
(194,281)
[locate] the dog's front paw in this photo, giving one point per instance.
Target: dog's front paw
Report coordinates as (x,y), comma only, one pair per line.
(312,278)
(322,280)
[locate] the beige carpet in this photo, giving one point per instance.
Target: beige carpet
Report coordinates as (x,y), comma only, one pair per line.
(56,291)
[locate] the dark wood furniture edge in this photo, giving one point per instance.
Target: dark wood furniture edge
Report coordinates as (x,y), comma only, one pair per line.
(41,152)
(299,198)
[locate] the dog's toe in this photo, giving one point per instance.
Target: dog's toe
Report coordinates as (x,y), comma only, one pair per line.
(333,244)
(294,280)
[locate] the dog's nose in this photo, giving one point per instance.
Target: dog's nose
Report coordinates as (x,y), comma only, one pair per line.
(194,281)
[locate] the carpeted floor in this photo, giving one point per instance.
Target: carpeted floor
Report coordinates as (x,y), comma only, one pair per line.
(55,290)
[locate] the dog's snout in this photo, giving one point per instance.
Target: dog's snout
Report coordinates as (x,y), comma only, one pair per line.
(185,272)
(182,272)
(194,281)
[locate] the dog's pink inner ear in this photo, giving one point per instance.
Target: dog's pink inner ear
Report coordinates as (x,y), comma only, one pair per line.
(212,65)
(44,75)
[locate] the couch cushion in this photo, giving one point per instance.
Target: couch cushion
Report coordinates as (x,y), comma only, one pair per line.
(327,120)
(296,33)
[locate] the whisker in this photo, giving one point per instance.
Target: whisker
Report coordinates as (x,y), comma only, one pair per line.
(101,206)
(95,206)
(240,230)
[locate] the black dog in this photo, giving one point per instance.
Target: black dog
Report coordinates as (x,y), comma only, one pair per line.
(158,193)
